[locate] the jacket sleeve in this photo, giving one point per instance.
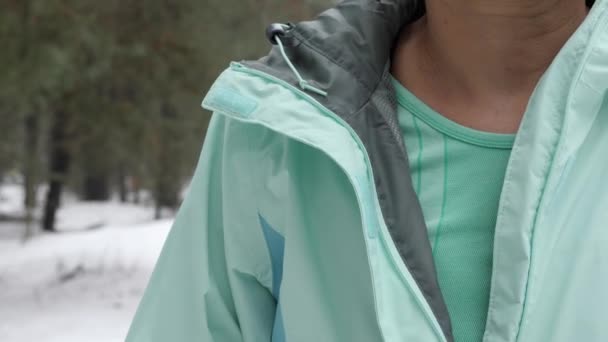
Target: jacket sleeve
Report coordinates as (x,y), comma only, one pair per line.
(211,282)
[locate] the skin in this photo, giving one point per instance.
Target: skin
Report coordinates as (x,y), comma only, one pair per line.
(477,61)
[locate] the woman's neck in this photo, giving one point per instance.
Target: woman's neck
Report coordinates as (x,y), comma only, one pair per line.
(483,57)
(500,44)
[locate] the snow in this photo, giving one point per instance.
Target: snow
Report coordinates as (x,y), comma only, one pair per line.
(11,201)
(74,214)
(82,284)
(91,215)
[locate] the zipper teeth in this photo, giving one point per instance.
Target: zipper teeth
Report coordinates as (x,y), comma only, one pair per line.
(241,68)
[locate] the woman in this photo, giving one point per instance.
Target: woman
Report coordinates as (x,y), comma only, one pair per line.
(400,171)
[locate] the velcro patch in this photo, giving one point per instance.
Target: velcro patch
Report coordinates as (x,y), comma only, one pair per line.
(229,101)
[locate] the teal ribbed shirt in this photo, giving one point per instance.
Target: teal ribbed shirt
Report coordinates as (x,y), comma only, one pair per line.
(458,173)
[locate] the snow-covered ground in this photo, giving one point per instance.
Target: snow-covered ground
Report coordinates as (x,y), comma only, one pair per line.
(82,284)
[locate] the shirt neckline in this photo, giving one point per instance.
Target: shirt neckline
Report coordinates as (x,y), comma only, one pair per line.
(422,111)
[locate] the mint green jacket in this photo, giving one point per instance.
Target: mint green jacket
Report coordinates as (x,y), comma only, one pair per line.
(301,223)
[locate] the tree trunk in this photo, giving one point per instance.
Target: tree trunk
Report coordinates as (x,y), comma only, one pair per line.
(167,180)
(96,188)
(31,131)
(136,189)
(30,170)
(53,198)
(157,210)
(122,184)
(59,161)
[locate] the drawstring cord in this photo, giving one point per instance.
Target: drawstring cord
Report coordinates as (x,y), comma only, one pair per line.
(302,82)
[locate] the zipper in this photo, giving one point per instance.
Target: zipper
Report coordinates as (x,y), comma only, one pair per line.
(384,230)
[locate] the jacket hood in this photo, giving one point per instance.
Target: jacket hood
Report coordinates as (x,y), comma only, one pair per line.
(344,51)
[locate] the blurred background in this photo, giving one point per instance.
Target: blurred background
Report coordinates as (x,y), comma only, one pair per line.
(101,127)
